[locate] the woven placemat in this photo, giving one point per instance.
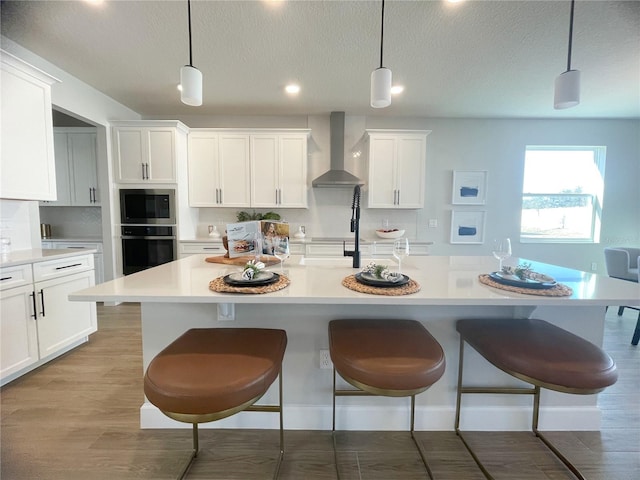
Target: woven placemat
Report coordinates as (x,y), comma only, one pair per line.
(352,284)
(559,290)
(218,285)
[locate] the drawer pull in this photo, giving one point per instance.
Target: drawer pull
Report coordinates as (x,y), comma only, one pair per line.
(76,247)
(5,278)
(204,248)
(69,266)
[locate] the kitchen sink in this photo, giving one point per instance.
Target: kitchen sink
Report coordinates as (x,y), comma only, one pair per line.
(332,261)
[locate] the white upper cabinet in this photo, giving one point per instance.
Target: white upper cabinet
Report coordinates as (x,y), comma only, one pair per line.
(218,169)
(76,167)
(146,152)
(247,168)
(397,160)
(27,151)
(279,170)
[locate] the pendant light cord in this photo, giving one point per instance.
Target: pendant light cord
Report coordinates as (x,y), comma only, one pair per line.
(381,33)
(189,15)
(570,35)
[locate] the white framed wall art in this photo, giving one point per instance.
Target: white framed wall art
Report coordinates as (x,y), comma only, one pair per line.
(467,227)
(469,187)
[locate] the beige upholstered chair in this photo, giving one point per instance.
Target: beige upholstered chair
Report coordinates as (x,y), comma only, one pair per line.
(624,263)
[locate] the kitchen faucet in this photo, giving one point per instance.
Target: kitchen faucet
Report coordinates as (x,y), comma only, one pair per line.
(355,227)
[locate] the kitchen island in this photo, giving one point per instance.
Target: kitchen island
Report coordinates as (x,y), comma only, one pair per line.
(176,296)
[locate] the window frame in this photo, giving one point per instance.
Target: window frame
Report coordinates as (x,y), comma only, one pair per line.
(596,198)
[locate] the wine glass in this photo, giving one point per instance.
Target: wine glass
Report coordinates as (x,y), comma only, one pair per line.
(281,249)
(400,250)
(501,250)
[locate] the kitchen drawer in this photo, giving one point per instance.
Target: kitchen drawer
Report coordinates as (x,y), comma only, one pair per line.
(195,248)
(61,267)
(77,245)
(16,276)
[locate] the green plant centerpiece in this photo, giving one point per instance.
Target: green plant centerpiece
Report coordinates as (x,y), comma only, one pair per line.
(247,217)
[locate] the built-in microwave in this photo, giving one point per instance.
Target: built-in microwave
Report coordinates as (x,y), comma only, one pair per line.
(147,206)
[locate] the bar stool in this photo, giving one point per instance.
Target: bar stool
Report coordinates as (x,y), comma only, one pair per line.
(208,374)
(538,353)
(392,358)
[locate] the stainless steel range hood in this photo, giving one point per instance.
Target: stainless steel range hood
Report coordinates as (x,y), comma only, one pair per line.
(337,176)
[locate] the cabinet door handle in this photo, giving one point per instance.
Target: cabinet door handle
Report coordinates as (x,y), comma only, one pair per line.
(279,196)
(35,308)
(42,301)
(148,176)
(142,164)
(5,278)
(398,197)
(221,196)
(69,266)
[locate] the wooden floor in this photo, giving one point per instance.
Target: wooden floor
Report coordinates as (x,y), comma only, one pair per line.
(77,418)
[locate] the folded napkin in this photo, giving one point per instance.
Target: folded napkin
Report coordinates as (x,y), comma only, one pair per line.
(252,269)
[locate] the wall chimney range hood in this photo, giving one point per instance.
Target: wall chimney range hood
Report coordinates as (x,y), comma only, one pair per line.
(337,176)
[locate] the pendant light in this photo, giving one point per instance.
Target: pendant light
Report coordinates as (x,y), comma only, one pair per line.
(190,76)
(381,77)
(567,85)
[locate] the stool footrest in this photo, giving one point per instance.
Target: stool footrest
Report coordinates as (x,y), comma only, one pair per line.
(499,390)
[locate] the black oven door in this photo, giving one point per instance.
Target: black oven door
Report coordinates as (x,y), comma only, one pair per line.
(140,253)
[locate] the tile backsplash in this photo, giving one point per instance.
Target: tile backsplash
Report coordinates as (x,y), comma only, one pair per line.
(68,222)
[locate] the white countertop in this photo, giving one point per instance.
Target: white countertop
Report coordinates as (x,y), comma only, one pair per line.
(22,257)
(444,281)
(74,239)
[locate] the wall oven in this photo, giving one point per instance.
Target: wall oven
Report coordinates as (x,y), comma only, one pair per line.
(146,246)
(147,206)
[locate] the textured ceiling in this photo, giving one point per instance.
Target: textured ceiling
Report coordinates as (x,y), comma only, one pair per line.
(473,59)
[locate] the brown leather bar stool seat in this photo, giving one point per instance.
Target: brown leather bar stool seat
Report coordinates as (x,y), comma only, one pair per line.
(538,353)
(211,373)
(394,358)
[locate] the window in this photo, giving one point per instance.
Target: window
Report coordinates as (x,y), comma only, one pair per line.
(562,194)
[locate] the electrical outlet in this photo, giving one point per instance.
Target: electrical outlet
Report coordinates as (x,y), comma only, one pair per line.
(594,266)
(325,359)
(433,223)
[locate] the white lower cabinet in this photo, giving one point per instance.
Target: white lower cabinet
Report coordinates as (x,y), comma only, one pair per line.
(61,322)
(38,322)
(18,334)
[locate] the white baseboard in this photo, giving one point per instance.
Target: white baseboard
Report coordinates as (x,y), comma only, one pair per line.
(298,417)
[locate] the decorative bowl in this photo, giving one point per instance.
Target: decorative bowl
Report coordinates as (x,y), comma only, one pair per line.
(390,233)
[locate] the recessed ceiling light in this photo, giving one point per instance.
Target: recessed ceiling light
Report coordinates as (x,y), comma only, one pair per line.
(396,89)
(292,89)
(454,1)
(94,2)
